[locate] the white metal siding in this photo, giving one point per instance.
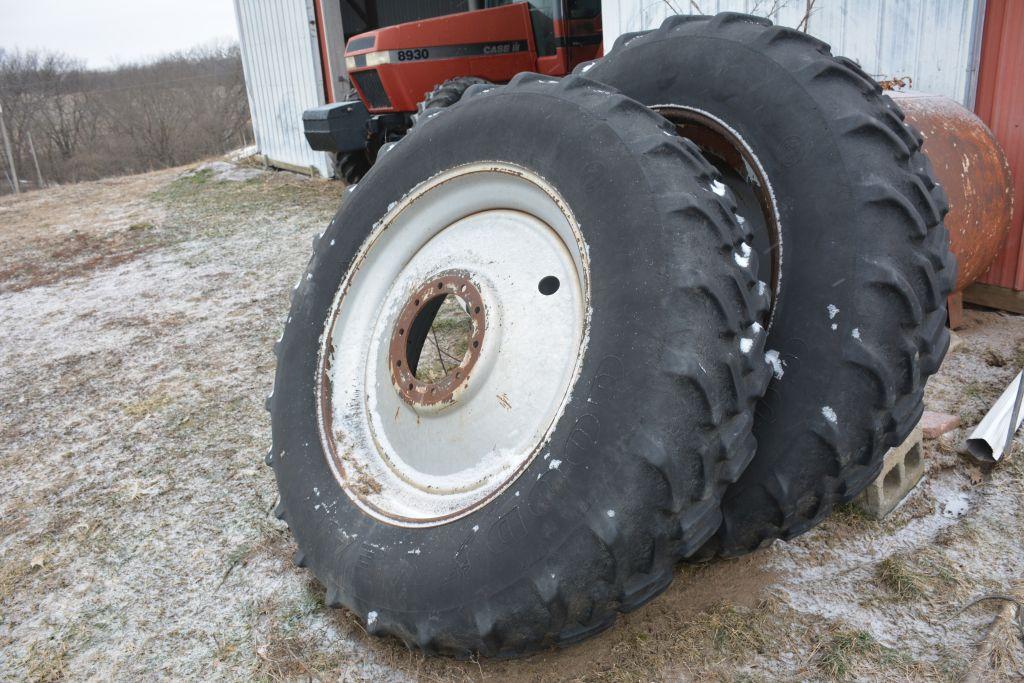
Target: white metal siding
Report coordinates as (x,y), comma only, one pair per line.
(932,41)
(281,61)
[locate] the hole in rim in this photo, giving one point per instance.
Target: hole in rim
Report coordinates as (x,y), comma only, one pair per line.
(439,338)
(548,285)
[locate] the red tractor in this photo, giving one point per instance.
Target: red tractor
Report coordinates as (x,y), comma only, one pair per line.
(404,71)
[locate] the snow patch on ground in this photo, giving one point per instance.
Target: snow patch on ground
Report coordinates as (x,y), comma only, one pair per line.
(223,171)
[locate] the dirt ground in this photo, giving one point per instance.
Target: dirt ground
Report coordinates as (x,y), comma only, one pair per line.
(136,539)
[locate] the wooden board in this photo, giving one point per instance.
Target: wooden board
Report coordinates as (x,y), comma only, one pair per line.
(995,297)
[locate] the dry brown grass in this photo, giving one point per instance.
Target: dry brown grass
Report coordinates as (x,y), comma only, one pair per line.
(13,573)
(84,255)
(47,662)
(1000,649)
(924,575)
(854,654)
(842,650)
(994,358)
(895,574)
(711,642)
(964,531)
(673,637)
(852,517)
(1005,658)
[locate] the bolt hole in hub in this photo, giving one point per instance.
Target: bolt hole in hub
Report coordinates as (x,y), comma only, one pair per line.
(433,395)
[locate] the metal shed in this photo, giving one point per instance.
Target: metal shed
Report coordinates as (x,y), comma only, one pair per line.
(1000,104)
(283,77)
(933,43)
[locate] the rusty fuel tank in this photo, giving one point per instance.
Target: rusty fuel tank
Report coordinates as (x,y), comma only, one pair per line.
(971,167)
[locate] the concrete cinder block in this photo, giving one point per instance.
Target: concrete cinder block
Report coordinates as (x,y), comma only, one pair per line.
(902,469)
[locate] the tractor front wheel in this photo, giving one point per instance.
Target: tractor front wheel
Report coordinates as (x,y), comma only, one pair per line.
(352,166)
(445,95)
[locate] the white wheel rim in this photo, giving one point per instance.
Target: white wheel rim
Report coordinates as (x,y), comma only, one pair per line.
(411,464)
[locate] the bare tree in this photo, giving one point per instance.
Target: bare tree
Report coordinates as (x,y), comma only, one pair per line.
(805,21)
(93,123)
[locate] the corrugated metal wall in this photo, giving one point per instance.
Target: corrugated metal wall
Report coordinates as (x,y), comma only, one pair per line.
(1001,106)
(931,41)
(280,56)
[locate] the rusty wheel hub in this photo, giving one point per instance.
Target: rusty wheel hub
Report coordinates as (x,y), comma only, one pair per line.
(414,324)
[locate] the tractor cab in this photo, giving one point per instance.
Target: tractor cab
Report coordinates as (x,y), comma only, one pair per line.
(564,33)
(393,68)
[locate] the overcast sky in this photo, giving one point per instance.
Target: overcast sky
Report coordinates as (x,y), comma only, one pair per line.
(105,32)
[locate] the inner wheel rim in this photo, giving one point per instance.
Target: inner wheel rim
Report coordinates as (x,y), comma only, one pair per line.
(724,147)
(420,453)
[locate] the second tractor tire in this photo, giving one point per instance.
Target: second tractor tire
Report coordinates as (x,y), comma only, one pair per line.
(861,256)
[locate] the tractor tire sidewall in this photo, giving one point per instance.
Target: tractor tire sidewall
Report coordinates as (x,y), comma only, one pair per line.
(564,525)
(827,418)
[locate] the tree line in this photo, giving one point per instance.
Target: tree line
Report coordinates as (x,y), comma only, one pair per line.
(66,123)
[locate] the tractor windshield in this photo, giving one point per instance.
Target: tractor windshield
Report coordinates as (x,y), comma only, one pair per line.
(552,9)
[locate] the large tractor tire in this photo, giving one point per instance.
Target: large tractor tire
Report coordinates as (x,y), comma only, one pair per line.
(445,95)
(850,226)
(552,478)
